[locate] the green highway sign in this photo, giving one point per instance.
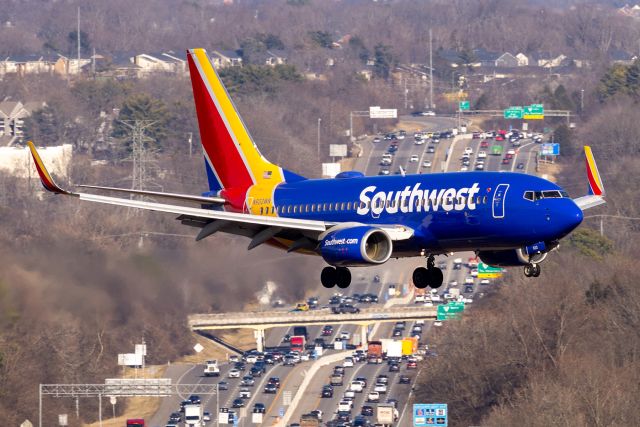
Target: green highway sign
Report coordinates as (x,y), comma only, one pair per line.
(452,310)
(513,113)
(464,105)
(487,272)
(534,112)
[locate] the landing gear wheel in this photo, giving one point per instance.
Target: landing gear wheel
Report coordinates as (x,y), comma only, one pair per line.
(328,277)
(536,270)
(421,277)
(436,278)
(529,269)
(343,277)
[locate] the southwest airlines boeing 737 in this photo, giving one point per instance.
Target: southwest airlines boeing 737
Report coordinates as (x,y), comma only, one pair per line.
(507,219)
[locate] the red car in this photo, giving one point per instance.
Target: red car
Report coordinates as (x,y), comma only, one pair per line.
(484,144)
(505,161)
(412,365)
(508,156)
(499,138)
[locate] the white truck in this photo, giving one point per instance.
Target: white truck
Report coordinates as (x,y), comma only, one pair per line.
(386,414)
(394,349)
(211,369)
(193,416)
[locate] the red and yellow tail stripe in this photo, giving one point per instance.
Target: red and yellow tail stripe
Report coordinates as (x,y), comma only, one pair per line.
(228,146)
(47,181)
(595,181)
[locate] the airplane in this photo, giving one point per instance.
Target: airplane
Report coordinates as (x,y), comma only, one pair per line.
(507,219)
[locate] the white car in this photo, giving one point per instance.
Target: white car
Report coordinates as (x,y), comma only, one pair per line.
(468,151)
(400,137)
(474,272)
(356,386)
(426,164)
(468,280)
(464,168)
(348,362)
(206,416)
(419,141)
(344,406)
(436,298)
(484,282)
(345,335)
(428,304)
(373,396)
(453,283)
(511,151)
(437,323)
(414,158)
(234,373)
(349,394)
(244,393)
(482,154)
(380,388)
(480,166)
(447,296)
(419,298)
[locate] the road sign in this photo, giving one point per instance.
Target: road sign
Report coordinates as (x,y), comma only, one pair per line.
(550,149)
(534,112)
(63,420)
(452,310)
(375,112)
(464,105)
(430,415)
(487,272)
(198,347)
(337,150)
(513,113)
(281,412)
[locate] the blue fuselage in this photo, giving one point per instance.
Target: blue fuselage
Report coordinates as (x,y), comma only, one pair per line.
(447,211)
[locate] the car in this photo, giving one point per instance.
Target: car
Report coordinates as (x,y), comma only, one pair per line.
(404,379)
(426,164)
(480,166)
(384,171)
(345,406)
(275,381)
(418,141)
(394,367)
(468,151)
(345,308)
(499,138)
(348,362)
(484,282)
(468,289)
(238,403)
(431,149)
(412,365)
(367,411)
(259,408)
(474,272)
(248,380)
(382,379)
(357,386)
(206,416)
(464,168)
(475,135)
(244,393)
(349,394)
(428,304)
(380,388)
(172,424)
(436,298)
(327,391)
(195,399)
(223,385)
(437,323)
(338,370)
(175,417)
(482,154)
(327,331)
(257,371)
(414,158)
(376,139)
(373,396)
(520,166)
(286,338)
(317,413)
(345,335)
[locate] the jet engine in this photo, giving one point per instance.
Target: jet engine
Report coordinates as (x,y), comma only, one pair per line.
(532,254)
(356,246)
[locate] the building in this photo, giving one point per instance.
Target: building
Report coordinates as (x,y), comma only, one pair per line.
(164,62)
(523,60)
(506,60)
(548,60)
(12,115)
(225,58)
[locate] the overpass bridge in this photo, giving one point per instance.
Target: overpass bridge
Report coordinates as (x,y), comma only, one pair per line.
(261,320)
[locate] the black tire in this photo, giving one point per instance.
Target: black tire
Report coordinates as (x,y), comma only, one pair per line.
(528,270)
(536,270)
(435,278)
(343,277)
(420,277)
(328,277)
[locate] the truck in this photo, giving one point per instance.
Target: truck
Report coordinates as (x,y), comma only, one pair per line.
(386,414)
(193,416)
(135,422)
(336,380)
(374,352)
(211,369)
(297,343)
(394,349)
(409,346)
(454,292)
(309,420)
(496,150)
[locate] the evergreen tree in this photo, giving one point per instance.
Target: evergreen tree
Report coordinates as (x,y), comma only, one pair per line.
(383,61)
(143,107)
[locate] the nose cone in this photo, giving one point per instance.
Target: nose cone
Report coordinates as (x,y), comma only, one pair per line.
(571,217)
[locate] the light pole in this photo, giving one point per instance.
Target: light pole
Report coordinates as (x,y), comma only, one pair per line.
(581,100)
(319,120)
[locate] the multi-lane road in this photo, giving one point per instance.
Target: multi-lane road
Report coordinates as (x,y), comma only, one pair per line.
(446,157)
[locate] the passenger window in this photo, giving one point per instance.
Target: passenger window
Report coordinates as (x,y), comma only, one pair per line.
(484,199)
(348,206)
(313,208)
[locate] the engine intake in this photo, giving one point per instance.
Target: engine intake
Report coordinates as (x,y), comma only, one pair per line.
(354,246)
(532,254)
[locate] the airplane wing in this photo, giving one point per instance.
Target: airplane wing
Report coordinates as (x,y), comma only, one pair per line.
(590,201)
(175,196)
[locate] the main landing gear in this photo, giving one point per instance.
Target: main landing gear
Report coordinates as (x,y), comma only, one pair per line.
(431,276)
(332,276)
(532,270)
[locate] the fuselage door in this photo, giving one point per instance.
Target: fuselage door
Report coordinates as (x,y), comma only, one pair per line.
(498,200)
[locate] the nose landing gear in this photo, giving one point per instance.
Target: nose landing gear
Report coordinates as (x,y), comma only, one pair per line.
(431,276)
(532,270)
(332,276)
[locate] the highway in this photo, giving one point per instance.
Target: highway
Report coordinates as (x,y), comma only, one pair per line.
(394,272)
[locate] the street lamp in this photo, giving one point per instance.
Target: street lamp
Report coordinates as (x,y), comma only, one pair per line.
(581,100)
(319,120)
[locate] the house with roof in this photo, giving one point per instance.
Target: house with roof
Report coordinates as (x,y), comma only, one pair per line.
(506,60)
(523,60)
(617,56)
(225,58)
(549,60)
(12,115)
(162,62)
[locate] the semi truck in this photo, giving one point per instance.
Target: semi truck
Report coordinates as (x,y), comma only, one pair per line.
(301,330)
(409,346)
(374,352)
(394,349)
(193,416)
(211,369)
(297,343)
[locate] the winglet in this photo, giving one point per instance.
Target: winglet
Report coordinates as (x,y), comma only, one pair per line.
(595,181)
(47,181)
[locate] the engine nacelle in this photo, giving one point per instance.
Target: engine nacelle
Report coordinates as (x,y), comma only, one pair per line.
(532,254)
(354,246)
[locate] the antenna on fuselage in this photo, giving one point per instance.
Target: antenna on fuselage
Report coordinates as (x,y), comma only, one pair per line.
(402,171)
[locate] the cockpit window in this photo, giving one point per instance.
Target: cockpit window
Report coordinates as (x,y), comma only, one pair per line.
(554,194)
(528,195)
